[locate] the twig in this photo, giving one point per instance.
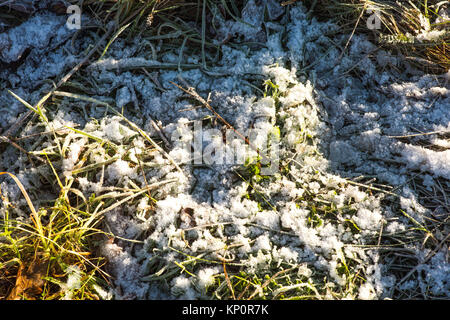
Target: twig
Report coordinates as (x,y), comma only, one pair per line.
(207,225)
(244,291)
(420,134)
(372,188)
(154,78)
(137,63)
(228,280)
(15,145)
(270,229)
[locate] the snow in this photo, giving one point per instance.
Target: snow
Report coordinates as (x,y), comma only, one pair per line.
(435,162)
(262,243)
(120,169)
(13,43)
(268,219)
(437,274)
(369,220)
(116,132)
(69,163)
(73,282)
(206,277)
(367,292)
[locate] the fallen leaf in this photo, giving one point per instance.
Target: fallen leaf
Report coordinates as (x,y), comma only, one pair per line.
(29,281)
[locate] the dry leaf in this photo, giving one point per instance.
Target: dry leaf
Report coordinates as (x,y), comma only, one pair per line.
(29,281)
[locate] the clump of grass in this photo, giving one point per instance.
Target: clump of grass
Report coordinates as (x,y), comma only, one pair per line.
(400,24)
(36,255)
(54,254)
(150,14)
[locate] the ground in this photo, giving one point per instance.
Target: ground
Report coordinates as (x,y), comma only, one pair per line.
(338,186)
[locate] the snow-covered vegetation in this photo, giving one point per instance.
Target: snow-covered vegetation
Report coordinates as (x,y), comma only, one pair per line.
(357,208)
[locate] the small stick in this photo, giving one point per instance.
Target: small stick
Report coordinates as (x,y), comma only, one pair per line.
(371,188)
(15,145)
(154,78)
(420,134)
(228,279)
